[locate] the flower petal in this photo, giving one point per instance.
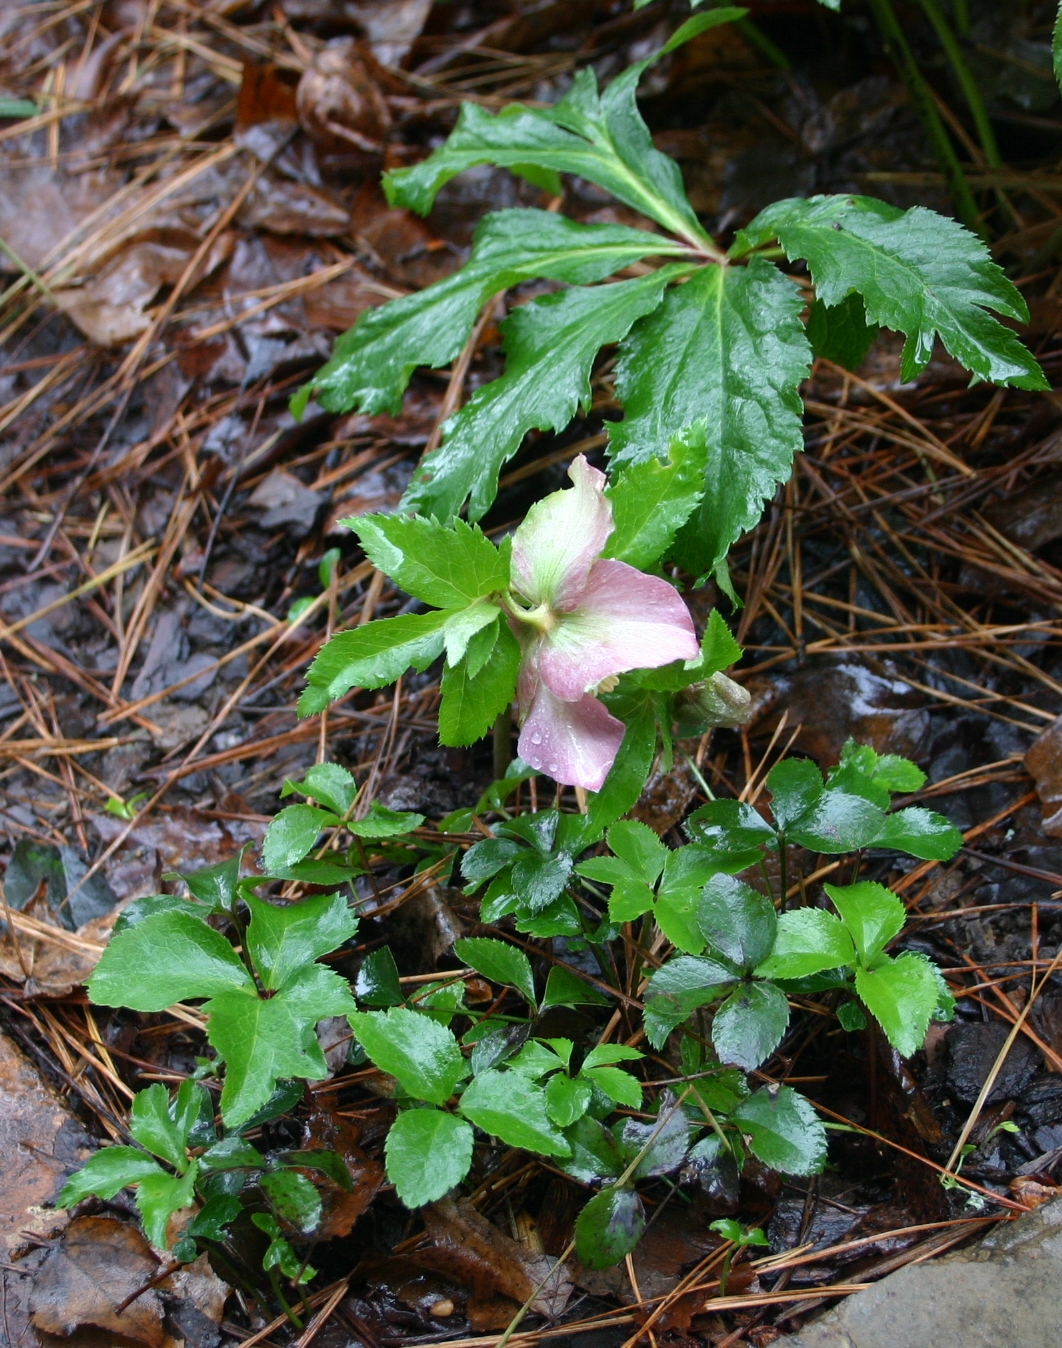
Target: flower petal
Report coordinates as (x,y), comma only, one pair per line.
(575,742)
(625,620)
(560,538)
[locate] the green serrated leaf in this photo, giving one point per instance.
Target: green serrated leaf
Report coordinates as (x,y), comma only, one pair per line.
(540,878)
(420,1053)
(783,1129)
(377,983)
(609,1227)
(841,333)
(726,350)
(509,1106)
(445,566)
(427,1152)
(595,1152)
(919,273)
(500,962)
(284,940)
(599,137)
(749,1026)
(472,699)
(920,833)
(262,1038)
(550,346)
(568,1098)
(618,1085)
(215,885)
(639,847)
(872,914)
(372,363)
(653,499)
(836,823)
(106,1173)
(808,941)
(719,651)
(628,773)
(901,994)
(293,1198)
(736,920)
(795,785)
(564,987)
(292,833)
(167,958)
(153,1127)
(380,822)
(329,784)
(158,1197)
(373,655)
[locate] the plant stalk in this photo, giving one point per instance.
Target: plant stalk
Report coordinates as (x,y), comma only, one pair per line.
(985,131)
(503,743)
(922,98)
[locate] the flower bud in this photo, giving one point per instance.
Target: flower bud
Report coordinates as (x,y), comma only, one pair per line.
(717,701)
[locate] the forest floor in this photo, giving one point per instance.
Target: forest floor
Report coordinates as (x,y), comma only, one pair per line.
(183,238)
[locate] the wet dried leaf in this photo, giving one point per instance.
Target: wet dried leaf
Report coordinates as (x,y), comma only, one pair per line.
(339,103)
(465,1246)
(341,1208)
(1044,764)
(95,1267)
(266,116)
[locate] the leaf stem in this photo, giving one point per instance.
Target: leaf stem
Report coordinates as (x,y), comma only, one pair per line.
(503,743)
(922,98)
(985,132)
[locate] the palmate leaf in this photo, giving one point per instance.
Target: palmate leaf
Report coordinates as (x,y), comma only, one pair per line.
(919,273)
(262,1039)
(550,346)
(372,362)
(728,350)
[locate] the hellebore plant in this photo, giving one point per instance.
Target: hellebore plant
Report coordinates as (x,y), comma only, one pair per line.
(546,617)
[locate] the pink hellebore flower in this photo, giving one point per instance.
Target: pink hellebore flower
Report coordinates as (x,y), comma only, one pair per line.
(590,618)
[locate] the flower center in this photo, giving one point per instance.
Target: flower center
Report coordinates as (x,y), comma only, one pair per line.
(541,618)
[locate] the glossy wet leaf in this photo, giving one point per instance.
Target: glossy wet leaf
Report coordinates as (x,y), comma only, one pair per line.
(836,823)
(807,941)
(783,1130)
(795,785)
(609,1227)
(262,1039)
(872,914)
(595,1152)
(474,697)
(329,784)
(665,1140)
(736,920)
(373,655)
(550,347)
(919,273)
(651,500)
(380,823)
(422,1054)
(153,1127)
(293,1198)
(566,988)
(840,332)
(427,1153)
(446,566)
(106,1173)
(158,1197)
(282,940)
(540,878)
(372,363)
(377,982)
(725,352)
(749,1026)
(500,962)
(615,1083)
(168,957)
(901,994)
(920,833)
(293,833)
(567,1098)
(509,1106)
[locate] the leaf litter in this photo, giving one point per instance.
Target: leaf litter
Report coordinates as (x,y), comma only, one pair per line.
(192,213)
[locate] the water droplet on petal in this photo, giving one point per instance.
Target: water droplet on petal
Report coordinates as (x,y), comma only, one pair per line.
(553,767)
(536,738)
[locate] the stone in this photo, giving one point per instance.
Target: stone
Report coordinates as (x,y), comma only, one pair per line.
(1000,1293)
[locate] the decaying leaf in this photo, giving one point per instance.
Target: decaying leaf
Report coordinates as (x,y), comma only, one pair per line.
(94,1268)
(467,1247)
(339,103)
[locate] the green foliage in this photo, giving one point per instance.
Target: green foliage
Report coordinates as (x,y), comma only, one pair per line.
(655,497)
(550,345)
(427,1153)
(609,1227)
(444,567)
(500,962)
(728,352)
(919,273)
(422,1055)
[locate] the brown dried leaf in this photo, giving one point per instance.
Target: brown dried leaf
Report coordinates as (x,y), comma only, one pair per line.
(465,1246)
(96,1266)
(339,103)
(1044,764)
(266,116)
(327,1130)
